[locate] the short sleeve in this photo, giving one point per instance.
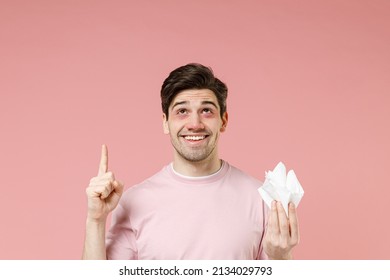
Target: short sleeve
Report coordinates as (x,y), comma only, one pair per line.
(120,240)
(262,255)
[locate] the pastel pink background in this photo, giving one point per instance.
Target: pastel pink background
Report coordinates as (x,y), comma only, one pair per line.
(309,85)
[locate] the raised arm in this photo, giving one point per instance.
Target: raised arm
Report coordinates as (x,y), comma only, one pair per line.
(103,195)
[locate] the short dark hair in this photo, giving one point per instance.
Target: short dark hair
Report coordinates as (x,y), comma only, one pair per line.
(192,76)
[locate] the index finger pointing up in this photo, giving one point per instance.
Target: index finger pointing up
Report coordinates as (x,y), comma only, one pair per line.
(103,167)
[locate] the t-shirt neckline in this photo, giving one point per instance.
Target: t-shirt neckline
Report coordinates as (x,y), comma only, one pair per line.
(202,179)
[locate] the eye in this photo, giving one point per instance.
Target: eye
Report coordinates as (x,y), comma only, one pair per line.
(181,111)
(207,110)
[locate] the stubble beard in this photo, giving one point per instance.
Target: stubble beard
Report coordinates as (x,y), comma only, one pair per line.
(193,155)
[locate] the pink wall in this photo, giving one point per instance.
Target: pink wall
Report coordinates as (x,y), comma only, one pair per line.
(309,86)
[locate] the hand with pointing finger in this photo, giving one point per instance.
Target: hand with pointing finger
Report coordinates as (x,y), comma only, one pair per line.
(103,191)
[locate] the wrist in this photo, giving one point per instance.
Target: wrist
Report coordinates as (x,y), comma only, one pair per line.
(287,256)
(95,220)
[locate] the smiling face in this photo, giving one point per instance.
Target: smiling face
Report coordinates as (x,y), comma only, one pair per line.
(194,125)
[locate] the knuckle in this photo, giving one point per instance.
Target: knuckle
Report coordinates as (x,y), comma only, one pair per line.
(108,189)
(283,245)
(268,244)
(110,175)
(294,241)
(89,191)
(274,243)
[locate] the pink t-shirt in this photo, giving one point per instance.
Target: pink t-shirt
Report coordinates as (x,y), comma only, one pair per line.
(170,216)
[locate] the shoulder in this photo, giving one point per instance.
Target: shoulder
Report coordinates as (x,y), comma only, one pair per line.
(246,188)
(237,174)
(142,190)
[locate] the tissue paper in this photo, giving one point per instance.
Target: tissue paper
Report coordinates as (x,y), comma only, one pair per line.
(279,187)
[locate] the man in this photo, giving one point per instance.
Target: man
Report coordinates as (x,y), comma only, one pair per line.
(199,206)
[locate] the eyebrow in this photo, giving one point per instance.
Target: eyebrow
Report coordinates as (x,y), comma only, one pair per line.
(210,102)
(203,103)
(179,103)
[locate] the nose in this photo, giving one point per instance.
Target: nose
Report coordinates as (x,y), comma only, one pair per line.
(194,123)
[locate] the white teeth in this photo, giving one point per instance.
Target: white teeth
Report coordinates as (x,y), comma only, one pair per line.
(195,138)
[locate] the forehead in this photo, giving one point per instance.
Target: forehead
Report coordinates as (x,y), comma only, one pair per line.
(195,96)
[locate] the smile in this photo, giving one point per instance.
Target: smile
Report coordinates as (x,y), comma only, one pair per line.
(194,138)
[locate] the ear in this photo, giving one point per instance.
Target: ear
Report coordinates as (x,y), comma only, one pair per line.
(165,124)
(224,122)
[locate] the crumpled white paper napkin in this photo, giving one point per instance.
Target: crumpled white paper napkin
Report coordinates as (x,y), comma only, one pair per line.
(279,187)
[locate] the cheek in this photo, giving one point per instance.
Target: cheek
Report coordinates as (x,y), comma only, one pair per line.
(178,118)
(177,122)
(212,121)
(215,128)
(175,125)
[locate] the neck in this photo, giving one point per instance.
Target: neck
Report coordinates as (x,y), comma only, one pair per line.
(196,169)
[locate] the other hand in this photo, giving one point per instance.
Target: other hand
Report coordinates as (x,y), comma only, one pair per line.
(282,233)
